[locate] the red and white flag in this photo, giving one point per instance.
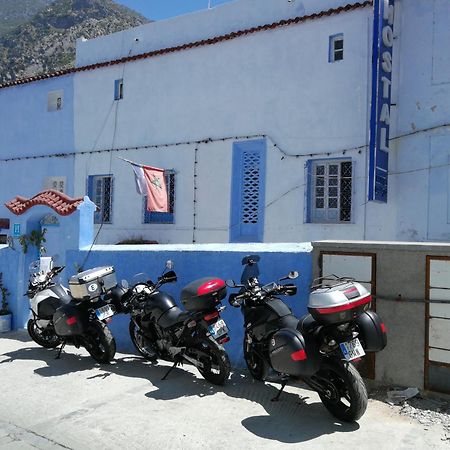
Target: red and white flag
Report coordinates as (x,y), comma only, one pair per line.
(150,181)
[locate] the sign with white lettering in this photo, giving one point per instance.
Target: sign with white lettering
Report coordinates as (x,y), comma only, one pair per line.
(383,41)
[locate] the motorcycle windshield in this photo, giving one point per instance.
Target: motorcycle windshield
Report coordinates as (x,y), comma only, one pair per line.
(250,271)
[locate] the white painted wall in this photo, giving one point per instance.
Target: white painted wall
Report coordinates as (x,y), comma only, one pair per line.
(422,63)
(277,82)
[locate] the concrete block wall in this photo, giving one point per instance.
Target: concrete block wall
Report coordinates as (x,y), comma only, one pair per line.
(400,274)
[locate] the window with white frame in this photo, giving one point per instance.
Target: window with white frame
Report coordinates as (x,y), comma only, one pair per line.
(336,50)
(100,191)
(330,191)
(161,217)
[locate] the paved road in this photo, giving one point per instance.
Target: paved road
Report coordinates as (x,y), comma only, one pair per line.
(74,403)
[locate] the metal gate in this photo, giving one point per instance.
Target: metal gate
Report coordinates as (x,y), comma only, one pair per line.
(437,326)
(361,267)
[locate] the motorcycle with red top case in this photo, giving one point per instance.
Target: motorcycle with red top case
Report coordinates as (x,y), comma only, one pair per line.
(320,347)
(160,329)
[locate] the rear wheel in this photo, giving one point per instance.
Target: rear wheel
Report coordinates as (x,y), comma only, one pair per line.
(346,394)
(100,343)
(143,345)
(216,364)
(45,337)
(257,366)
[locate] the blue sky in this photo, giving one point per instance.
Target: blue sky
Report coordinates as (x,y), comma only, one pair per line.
(162,9)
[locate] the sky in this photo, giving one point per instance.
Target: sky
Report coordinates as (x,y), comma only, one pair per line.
(163,9)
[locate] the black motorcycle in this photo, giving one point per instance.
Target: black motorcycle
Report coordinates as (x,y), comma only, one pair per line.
(61,317)
(317,348)
(159,329)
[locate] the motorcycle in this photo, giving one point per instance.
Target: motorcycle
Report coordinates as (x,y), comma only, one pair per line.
(159,329)
(74,316)
(320,347)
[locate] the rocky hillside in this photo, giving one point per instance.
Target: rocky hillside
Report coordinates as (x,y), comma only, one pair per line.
(46,42)
(16,12)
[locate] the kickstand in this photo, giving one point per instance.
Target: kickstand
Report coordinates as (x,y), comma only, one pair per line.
(283,385)
(175,364)
(58,356)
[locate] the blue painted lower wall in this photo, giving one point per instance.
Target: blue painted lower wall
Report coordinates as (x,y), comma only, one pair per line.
(9,263)
(190,265)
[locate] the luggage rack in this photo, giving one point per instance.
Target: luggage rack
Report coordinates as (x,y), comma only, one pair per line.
(330,281)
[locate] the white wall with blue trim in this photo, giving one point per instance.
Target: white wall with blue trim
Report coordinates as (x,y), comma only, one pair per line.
(278,83)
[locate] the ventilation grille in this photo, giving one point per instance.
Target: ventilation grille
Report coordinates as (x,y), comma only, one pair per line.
(250,194)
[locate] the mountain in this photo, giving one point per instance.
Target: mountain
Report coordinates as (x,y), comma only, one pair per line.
(16,12)
(46,42)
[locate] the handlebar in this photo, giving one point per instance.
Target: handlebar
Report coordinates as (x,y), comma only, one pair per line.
(261,293)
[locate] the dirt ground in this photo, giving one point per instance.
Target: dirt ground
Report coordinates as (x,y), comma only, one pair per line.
(74,403)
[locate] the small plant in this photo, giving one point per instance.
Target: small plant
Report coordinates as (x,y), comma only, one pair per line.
(4,310)
(35,238)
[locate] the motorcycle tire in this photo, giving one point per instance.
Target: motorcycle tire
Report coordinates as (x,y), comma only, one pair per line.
(141,343)
(257,366)
(216,364)
(100,343)
(46,337)
(348,394)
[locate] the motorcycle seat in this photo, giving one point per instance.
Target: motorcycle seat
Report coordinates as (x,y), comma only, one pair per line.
(173,316)
(306,324)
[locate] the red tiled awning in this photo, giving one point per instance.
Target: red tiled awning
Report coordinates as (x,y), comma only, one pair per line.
(59,202)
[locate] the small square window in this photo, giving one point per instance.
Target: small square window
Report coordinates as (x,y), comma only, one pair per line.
(55,101)
(118,89)
(336,48)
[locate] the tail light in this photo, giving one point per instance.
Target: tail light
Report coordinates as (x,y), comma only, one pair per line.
(383,327)
(299,355)
(224,339)
(71,320)
(211,316)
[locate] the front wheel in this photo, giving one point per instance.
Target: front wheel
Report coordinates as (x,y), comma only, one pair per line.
(45,337)
(100,343)
(346,393)
(215,361)
(142,343)
(257,365)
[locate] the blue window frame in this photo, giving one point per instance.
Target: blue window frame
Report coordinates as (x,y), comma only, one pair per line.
(329,190)
(336,48)
(100,191)
(160,217)
(248,191)
(118,89)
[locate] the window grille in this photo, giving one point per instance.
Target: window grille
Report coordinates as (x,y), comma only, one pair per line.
(250,191)
(100,191)
(161,217)
(330,184)
(336,50)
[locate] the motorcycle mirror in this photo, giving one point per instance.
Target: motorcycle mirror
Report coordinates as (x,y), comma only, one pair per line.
(250,259)
(170,264)
(124,284)
(168,277)
(230,283)
(290,276)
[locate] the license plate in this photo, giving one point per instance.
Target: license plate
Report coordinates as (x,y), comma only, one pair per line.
(352,349)
(104,312)
(218,329)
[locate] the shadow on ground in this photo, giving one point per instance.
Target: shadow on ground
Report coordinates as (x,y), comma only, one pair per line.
(290,420)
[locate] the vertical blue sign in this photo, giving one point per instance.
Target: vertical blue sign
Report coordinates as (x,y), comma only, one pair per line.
(16,230)
(380,113)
